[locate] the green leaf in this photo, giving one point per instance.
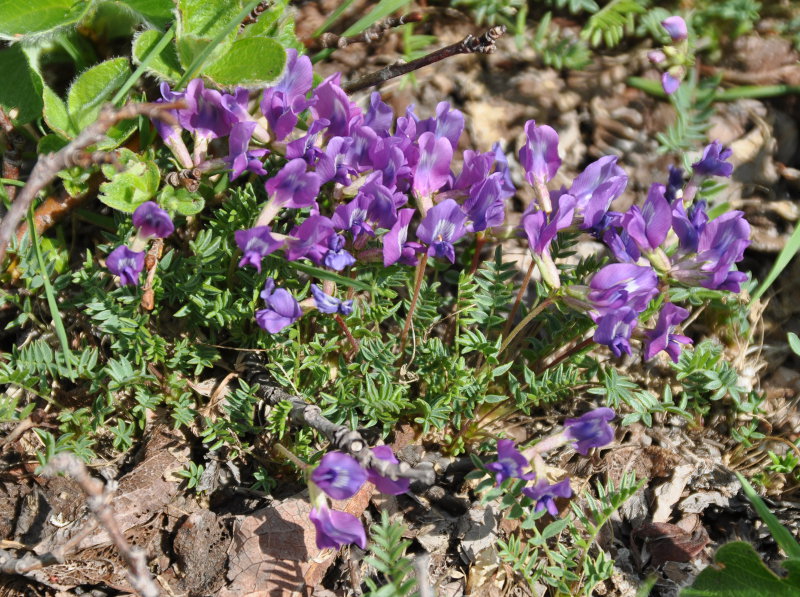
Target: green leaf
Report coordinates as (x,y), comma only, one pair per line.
(129,188)
(200,22)
(166,64)
(180,200)
(25,94)
(157,12)
(252,61)
(20,18)
(56,115)
(780,533)
(794,342)
(739,572)
(93,87)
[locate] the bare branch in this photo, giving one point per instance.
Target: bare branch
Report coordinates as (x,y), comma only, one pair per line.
(341,437)
(74,154)
(370,34)
(98,498)
(485,44)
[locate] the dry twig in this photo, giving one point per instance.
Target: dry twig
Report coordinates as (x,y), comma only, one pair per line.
(469,45)
(342,438)
(74,154)
(370,34)
(98,498)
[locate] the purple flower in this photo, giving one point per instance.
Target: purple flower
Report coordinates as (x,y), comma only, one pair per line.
(328,304)
(661,337)
(339,475)
(256,243)
(656,56)
(358,152)
(379,116)
(335,528)
(596,187)
(282,103)
(485,206)
(385,484)
(293,186)
(539,155)
(501,167)
(171,133)
(510,462)
(332,104)
(544,494)
(475,169)
(713,161)
(235,111)
(126,264)
(337,258)
(204,114)
(310,239)
(240,157)
(282,308)
(614,329)
(448,124)
(442,226)
(333,164)
(674,185)
(622,285)
(669,83)
(396,247)
(590,430)
(688,227)
(541,228)
(304,146)
(720,244)
(649,226)
(433,168)
(374,206)
(152,221)
(387,157)
(676,27)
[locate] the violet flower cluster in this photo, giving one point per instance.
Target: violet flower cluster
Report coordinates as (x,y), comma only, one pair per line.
(590,430)
(366,161)
(668,240)
(340,476)
(127,262)
(394,196)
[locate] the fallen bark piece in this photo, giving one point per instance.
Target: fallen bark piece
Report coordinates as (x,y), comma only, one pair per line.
(274,551)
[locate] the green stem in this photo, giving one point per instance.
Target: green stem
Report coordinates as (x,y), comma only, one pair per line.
(417,285)
(518,300)
(653,87)
(51,295)
(524,323)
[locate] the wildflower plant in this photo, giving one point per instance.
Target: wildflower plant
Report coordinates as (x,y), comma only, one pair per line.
(349,244)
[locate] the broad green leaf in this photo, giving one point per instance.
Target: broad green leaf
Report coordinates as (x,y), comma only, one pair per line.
(200,22)
(22,99)
(181,201)
(780,533)
(739,572)
(20,18)
(794,343)
(55,113)
(132,186)
(93,87)
(166,64)
(252,61)
(157,12)
(50,144)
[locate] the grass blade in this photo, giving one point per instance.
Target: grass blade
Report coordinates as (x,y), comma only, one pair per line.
(58,323)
